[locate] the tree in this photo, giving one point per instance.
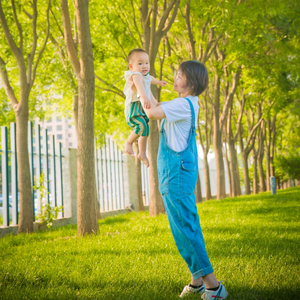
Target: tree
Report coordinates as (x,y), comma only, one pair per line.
(84,70)
(27,58)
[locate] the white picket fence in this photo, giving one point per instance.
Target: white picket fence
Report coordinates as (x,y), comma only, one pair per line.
(109,177)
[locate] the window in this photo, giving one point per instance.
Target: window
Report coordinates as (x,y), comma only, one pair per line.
(70,126)
(69,135)
(59,136)
(49,120)
(59,128)
(49,128)
(70,144)
(58,118)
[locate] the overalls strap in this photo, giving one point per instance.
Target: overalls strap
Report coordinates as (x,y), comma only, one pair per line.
(193,116)
(193,113)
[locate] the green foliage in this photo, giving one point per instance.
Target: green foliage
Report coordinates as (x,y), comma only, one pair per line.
(252,243)
(287,167)
(48,213)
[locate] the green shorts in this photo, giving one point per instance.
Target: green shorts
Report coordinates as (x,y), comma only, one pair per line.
(137,119)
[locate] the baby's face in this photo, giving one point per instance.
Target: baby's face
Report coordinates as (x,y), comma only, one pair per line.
(139,62)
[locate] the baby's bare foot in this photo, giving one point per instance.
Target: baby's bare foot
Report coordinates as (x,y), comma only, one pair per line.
(128,149)
(144,159)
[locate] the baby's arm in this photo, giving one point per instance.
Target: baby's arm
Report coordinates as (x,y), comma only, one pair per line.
(153,100)
(138,80)
(159,82)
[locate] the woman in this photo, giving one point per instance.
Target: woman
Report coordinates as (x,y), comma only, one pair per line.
(177,165)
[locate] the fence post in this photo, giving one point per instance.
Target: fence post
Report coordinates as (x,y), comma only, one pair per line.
(273,185)
(31,162)
(130,182)
(70,183)
(14,174)
(5,186)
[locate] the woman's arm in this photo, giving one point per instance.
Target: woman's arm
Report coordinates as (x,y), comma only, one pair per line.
(155,112)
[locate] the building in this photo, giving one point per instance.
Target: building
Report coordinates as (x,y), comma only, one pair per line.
(62,128)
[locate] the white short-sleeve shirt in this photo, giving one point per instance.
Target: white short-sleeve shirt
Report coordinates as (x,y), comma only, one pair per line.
(131,96)
(178,121)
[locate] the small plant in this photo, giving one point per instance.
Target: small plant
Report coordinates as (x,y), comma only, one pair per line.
(48,213)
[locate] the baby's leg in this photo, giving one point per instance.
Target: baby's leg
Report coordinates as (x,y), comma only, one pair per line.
(142,148)
(128,145)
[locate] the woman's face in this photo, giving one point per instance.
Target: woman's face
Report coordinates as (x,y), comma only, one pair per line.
(180,84)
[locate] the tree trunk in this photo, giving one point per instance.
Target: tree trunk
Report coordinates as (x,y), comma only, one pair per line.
(234,168)
(139,189)
(246,174)
(255,178)
(217,143)
(228,172)
(207,178)
(24,183)
(156,205)
(273,130)
(86,184)
(198,192)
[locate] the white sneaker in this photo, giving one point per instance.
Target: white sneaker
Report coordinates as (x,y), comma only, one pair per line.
(219,294)
(189,290)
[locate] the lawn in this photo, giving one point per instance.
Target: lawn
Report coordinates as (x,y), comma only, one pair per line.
(253,243)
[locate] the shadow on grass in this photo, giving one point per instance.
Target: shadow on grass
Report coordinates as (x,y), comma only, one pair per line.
(114,220)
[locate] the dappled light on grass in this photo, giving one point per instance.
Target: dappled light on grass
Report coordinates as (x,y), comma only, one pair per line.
(253,243)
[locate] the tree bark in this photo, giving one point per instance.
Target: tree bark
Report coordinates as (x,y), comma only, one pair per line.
(198,192)
(207,134)
(24,183)
(261,142)
(273,144)
(152,36)
(27,73)
(207,178)
(255,178)
(84,71)
(217,143)
(139,189)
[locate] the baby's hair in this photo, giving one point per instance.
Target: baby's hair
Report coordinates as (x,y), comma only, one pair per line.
(196,76)
(137,50)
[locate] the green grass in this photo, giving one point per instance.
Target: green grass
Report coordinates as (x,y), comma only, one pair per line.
(253,243)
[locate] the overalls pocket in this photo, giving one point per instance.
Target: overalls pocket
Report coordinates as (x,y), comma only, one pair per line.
(164,183)
(188,177)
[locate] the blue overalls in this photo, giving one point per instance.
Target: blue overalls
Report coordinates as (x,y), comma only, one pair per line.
(177,175)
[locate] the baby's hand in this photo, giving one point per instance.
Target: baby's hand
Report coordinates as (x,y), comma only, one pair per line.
(146,104)
(162,83)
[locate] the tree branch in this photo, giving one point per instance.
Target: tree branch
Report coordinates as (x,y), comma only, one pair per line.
(18,24)
(11,43)
(230,97)
(27,14)
(43,47)
(135,24)
(251,139)
(115,89)
(8,89)
(59,28)
(109,90)
(71,49)
(188,26)
(30,56)
(172,19)
(242,106)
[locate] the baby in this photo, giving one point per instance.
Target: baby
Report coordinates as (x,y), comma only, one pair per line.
(135,103)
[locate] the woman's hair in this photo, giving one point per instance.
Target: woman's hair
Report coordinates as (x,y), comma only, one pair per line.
(196,76)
